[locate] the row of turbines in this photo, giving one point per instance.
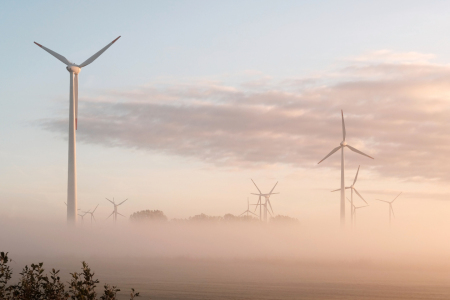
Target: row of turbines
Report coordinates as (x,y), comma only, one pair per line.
(74,69)
(114,213)
(352,188)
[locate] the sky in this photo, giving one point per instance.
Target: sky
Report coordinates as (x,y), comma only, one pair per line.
(198,97)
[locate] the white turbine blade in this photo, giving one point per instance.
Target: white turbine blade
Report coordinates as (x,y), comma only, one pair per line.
(360,195)
(121,215)
(110,215)
(255,194)
(259,203)
(122,202)
(273,188)
(76,100)
(96,55)
(332,151)
(93,217)
(242,213)
(343,125)
(65,203)
(268,201)
(336,190)
(357,151)
(253,213)
(382,200)
(95,209)
(356,177)
(390,206)
(58,56)
(110,201)
(256,186)
(396,197)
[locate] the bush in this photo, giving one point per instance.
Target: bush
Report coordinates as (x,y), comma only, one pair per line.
(36,285)
(148,215)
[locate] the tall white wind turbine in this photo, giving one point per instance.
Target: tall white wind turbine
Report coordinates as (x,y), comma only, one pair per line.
(352,188)
(391,210)
(74,70)
(266,197)
(341,147)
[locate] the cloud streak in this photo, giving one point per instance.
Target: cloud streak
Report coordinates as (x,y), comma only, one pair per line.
(397,112)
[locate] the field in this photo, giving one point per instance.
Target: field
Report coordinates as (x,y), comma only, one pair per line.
(184,278)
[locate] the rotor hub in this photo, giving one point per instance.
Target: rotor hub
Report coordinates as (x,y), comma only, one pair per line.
(344,143)
(74,69)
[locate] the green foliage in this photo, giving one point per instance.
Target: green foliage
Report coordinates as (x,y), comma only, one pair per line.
(36,285)
(148,215)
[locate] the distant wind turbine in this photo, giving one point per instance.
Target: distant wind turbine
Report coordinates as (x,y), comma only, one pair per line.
(354,208)
(74,70)
(82,217)
(248,210)
(91,213)
(115,212)
(352,187)
(391,210)
(342,146)
(267,198)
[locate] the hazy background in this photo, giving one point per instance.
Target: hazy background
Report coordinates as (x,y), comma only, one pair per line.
(196,98)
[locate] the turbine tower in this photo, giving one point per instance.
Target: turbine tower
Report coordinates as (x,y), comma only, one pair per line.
(341,147)
(248,210)
(74,70)
(115,212)
(352,187)
(91,213)
(391,210)
(266,196)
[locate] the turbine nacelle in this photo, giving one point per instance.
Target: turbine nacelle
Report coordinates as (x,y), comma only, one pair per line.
(74,69)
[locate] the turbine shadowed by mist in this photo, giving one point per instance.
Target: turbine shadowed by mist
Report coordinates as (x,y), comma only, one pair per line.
(115,212)
(354,208)
(74,70)
(391,210)
(248,210)
(91,213)
(267,202)
(352,188)
(342,145)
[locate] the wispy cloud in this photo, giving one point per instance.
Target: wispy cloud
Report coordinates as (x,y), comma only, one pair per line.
(398,112)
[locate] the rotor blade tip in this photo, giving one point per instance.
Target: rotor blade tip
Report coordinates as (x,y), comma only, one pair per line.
(38,44)
(117,39)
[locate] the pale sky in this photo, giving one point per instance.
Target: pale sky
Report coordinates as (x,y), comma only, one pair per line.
(197,97)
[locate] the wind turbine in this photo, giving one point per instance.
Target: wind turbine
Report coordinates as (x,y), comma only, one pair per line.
(248,210)
(352,187)
(82,217)
(354,208)
(342,146)
(266,196)
(115,212)
(91,213)
(391,210)
(74,70)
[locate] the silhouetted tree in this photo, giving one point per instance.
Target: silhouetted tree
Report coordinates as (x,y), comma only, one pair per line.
(283,219)
(148,215)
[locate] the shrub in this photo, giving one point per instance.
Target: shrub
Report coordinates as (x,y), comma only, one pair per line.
(36,285)
(148,215)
